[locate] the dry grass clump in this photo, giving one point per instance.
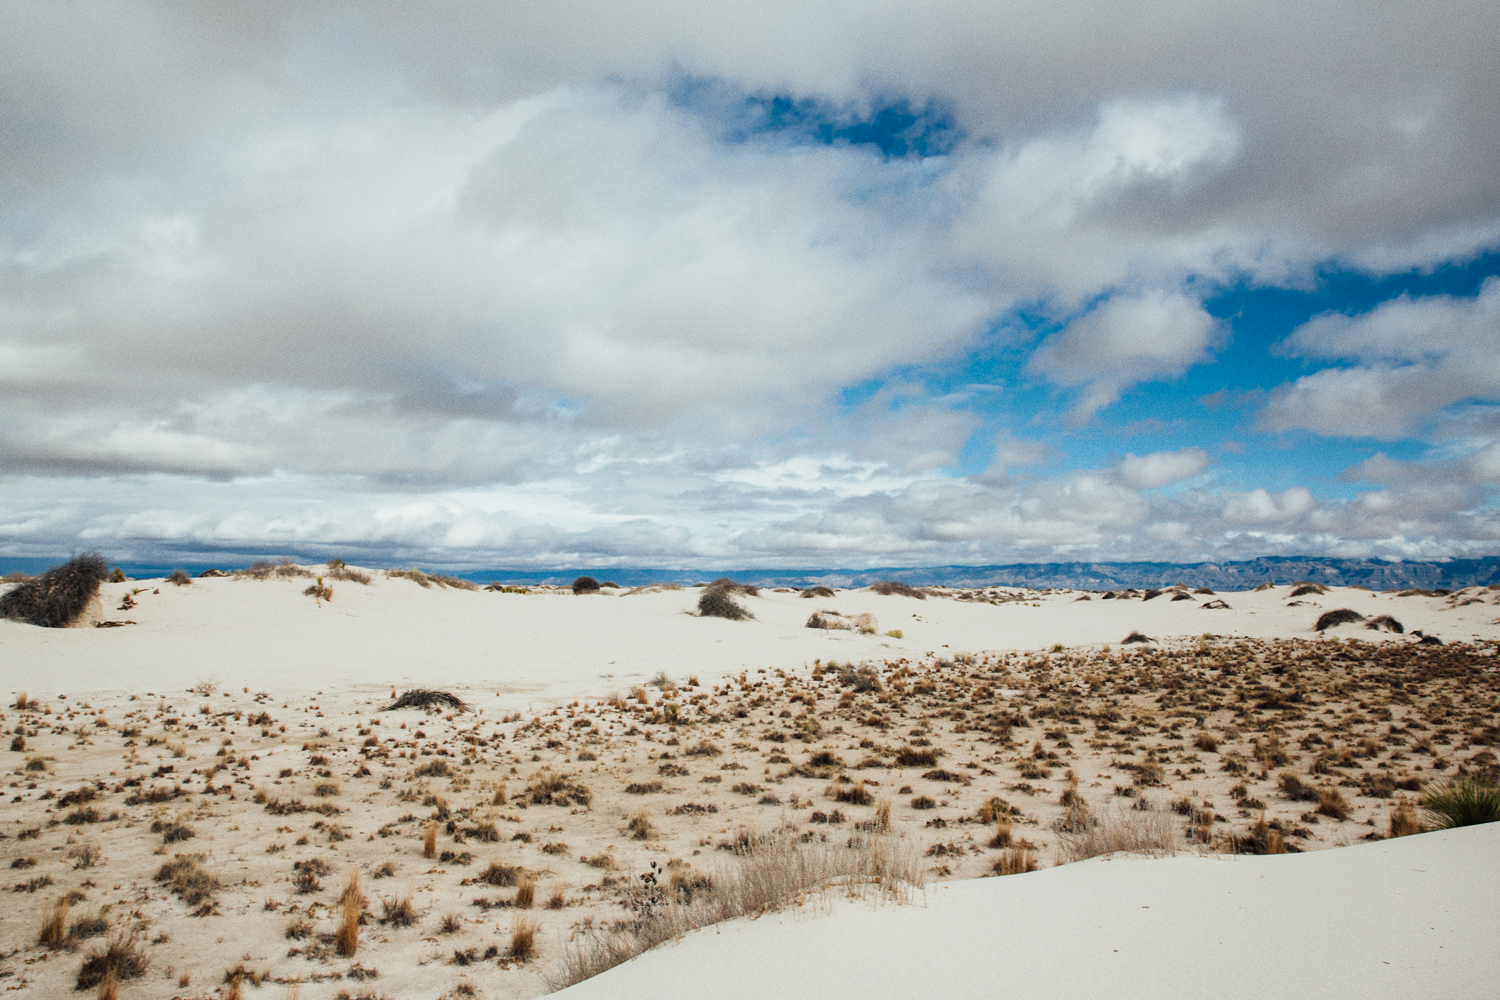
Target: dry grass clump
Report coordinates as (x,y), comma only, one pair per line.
(1151,831)
(818,592)
(120,960)
(1016,860)
(523,938)
(398,912)
(339,570)
(186,876)
(1404,820)
(899,589)
(178,578)
(54,930)
(526,893)
(58,596)
(500,876)
(551,789)
(767,873)
(429,841)
(351,905)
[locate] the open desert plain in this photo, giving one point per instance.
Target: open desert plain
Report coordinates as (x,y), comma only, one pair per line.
(271,784)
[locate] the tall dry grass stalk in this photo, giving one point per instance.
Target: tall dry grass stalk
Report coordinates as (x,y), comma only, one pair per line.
(54,932)
(429,841)
(772,872)
(1152,832)
(352,904)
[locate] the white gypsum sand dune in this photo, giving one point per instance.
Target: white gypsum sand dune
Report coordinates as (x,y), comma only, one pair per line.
(555,647)
(1411,917)
(968,727)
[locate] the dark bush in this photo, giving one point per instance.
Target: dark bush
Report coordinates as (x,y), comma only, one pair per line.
(421,698)
(59,595)
(1343,616)
(1135,637)
(715,602)
(899,589)
(818,592)
(585,585)
(729,586)
(179,578)
(1388,623)
(122,957)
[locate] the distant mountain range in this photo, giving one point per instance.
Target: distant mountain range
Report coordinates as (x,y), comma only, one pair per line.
(1377,574)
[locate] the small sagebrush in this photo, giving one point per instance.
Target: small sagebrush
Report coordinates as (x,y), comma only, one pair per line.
(1343,616)
(715,602)
(121,959)
(899,589)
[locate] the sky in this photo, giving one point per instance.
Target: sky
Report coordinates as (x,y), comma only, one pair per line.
(813,284)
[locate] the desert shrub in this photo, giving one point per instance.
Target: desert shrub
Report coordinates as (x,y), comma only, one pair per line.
(856,794)
(179,578)
(1343,616)
(186,876)
(716,602)
(1465,800)
(421,698)
(339,570)
(899,589)
(1135,831)
(91,924)
(648,788)
(456,582)
(1135,637)
(54,930)
(1295,789)
(500,876)
(121,959)
(1386,622)
(915,757)
(398,912)
(585,585)
(640,826)
(172,831)
(1331,803)
(549,789)
(59,595)
(1017,860)
(281,569)
(1303,590)
(702,749)
(729,586)
(817,592)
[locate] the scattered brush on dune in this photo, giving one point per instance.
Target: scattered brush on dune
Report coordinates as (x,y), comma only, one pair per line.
(339,570)
(262,569)
(1303,589)
(1386,622)
(899,589)
(818,592)
(426,580)
(60,596)
(1135,831)
(428,700)
(1343,616)
(767,874)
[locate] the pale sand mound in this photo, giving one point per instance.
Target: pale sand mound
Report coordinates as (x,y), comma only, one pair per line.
(1402,918)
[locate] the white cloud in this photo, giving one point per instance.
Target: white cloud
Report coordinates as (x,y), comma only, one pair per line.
(1412,359)
(1126,340)
(1148,472)
(1261,507)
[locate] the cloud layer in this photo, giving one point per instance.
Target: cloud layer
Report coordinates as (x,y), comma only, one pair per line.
(520,284)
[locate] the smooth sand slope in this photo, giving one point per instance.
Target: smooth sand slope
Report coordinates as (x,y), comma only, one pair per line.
(1412,917)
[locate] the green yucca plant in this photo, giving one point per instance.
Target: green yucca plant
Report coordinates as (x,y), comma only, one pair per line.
(1461,801)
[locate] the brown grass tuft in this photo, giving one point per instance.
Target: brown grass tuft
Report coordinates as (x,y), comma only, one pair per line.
(526,894)
(523,938)
(54,931)
(429,841)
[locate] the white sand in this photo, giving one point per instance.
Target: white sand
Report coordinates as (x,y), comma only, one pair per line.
(1285,925)
(1412,917)
(538,649)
